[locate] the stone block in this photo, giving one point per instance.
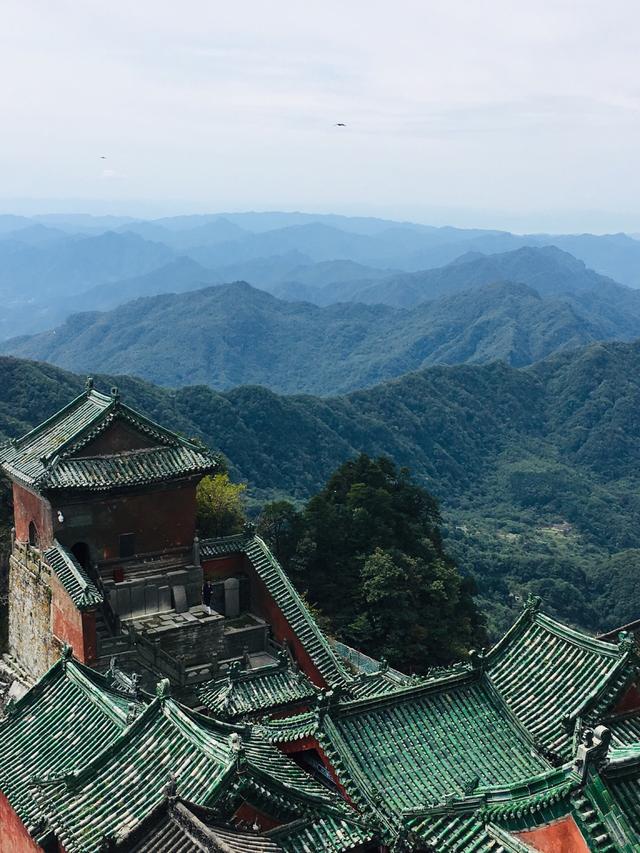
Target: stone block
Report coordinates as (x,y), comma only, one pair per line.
(194,594)
(123,601)
(137,600)
(180,599)
(164,598)
(231,598)
(150,599)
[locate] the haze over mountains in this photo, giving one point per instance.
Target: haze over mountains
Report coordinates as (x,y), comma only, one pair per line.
(52,266)
(518,307)
(533,458)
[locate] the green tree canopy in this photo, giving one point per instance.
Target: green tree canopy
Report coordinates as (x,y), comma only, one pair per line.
(369,554)
(220,506)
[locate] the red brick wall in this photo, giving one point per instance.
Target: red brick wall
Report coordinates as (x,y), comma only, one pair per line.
(630,701)
(561,836)
(224,567)
(67,623)
(282,631)
(161,518)
(28,507)
(14,838)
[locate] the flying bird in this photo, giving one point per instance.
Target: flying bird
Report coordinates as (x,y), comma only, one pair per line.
(102,157)
(340,124)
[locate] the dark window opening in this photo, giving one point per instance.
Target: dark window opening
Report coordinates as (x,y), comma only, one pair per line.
(127,545)
(309,760)
(33,534)
(82,554)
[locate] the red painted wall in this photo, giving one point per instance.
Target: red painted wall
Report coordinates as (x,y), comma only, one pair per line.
(561,836)
(224,567)
(27,507)
(69,625)
(282,631)
(264,605)
(161,518)
(116,438)
(248,814)
(629,702)
(14,838)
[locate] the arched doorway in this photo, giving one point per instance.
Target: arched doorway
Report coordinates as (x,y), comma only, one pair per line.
(33,534)
(82,554)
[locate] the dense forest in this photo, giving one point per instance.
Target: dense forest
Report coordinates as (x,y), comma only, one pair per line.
(367,551)
(535,470)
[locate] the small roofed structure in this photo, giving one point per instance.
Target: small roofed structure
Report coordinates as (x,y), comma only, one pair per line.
(104,520)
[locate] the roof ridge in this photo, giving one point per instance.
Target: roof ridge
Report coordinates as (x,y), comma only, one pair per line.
(64,410)
(415,689)
(259,544)
(99,694)
(578,638)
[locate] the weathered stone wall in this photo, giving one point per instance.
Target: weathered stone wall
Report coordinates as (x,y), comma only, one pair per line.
(30,639)
(263,605)
(200,641)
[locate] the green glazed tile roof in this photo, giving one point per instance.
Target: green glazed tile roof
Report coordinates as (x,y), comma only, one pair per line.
(287,599)
(625,730)
(255,691)
(81,589)
(60,724)
(132,468)
(329,833)
(118,788)
(421,744)
(289,729)
(626,795)
(176,826)
(548,674)
(47,457)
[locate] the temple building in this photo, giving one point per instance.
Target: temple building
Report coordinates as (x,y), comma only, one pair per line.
(149,722)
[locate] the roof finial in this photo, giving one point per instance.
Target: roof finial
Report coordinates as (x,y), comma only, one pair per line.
(115,392)
(88,385)
(171,787)
(532,604)
(163,688)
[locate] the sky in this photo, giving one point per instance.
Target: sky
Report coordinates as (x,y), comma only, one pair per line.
(518,115)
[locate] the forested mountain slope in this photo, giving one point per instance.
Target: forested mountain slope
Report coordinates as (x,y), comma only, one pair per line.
(536,469)
(235,334)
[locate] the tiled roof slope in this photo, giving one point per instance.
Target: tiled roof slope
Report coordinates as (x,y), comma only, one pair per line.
(423,743)
(180,827)
(287,599)
(549,674)
(81,589)
(118,788)
(58,726)
(255,691)
(46,458)
(329,833)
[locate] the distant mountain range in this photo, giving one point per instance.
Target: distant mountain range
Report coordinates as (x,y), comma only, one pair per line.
(235,334)
(536,468)
(53,265)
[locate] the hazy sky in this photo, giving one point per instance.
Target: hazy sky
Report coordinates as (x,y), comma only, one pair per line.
(514,114)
